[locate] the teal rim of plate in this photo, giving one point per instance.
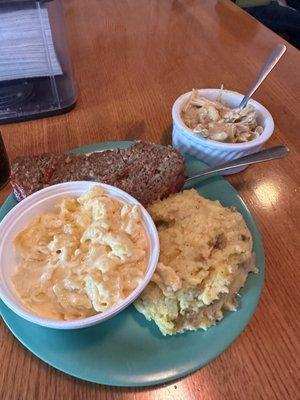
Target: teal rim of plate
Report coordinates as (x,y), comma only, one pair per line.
(156,359)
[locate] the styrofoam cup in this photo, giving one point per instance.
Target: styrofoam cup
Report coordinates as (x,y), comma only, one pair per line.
(45,201)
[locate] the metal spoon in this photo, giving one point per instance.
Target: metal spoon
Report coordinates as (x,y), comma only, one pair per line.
(264,155)
(270,63)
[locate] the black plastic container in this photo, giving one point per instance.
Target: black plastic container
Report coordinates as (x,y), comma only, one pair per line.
(4,164)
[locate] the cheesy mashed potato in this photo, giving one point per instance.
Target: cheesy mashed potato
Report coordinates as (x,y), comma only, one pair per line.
(82,260)
(205,257)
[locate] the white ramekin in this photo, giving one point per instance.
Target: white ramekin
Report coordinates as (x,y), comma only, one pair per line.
(212,152)
(44,201)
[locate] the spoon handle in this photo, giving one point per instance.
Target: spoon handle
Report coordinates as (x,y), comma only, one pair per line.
(270,63)
(263,155)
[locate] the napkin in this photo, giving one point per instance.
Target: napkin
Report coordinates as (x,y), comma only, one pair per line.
(26,44)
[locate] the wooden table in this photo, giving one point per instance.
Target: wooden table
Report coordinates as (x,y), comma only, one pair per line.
(132,59)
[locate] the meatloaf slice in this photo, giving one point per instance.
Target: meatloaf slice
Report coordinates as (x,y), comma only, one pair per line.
(30,174)
(156,171)
(147,171)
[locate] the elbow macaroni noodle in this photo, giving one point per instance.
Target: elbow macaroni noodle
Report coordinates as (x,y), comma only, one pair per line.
(82,260)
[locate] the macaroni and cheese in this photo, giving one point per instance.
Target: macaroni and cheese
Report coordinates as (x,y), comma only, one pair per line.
(82,260)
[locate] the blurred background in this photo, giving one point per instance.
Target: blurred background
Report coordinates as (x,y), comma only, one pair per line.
(281,16)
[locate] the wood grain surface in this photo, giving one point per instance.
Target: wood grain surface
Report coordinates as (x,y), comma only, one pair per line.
(132,58)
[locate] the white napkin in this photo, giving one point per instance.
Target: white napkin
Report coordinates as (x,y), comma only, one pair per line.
(26,45)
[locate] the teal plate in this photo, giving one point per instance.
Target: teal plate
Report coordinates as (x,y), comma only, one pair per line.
(128,350)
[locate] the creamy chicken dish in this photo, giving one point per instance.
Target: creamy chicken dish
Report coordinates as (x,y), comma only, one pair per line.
(215,121)
(82,260)
(205,257)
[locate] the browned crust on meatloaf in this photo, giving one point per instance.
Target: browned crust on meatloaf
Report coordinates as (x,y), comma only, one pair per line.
(30,174)
(147,171)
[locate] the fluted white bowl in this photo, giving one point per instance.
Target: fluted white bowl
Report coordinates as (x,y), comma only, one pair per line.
(210,151)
